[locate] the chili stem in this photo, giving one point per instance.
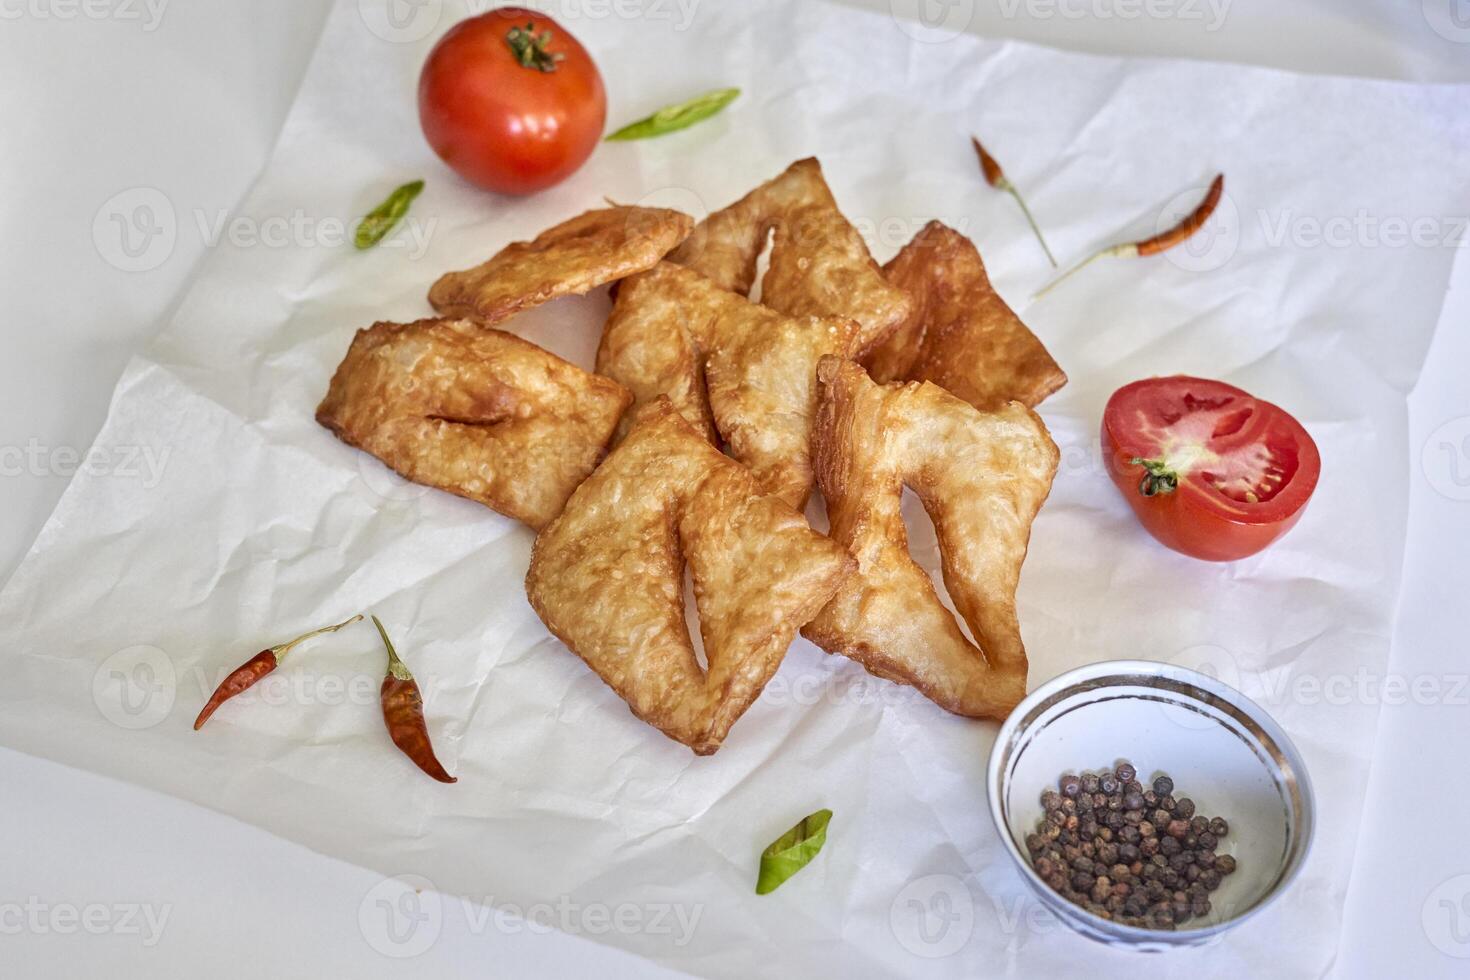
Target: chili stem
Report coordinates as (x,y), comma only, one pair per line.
(1116,250)
(1036,229)
(282,649)
(396,667)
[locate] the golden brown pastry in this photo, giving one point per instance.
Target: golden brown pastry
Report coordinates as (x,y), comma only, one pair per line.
(571,258)
(474,411)
(960,334)
(607,578)
(820,265)
(732,368)
(982,476)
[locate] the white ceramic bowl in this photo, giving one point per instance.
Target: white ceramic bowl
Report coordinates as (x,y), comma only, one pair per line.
(1221,749)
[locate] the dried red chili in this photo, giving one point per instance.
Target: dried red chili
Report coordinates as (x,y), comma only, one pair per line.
(249,673)
(996,177)
(403,713)
(1164,240)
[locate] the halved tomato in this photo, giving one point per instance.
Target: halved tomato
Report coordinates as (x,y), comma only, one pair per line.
(1209,470)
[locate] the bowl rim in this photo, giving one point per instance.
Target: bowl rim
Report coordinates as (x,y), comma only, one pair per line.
(1089,922)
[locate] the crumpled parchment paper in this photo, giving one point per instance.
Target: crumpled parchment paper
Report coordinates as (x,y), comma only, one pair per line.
(218,518)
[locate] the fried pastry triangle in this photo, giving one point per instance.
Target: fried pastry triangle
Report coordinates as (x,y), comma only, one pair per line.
(474,411)
(982,476)
(607,577)
(820,265)
(732,368)
(573,257)
(960,334)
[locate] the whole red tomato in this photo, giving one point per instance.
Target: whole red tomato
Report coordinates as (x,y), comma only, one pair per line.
(1209,470)
(511,101)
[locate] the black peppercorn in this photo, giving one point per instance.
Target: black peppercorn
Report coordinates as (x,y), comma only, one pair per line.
(1127,852)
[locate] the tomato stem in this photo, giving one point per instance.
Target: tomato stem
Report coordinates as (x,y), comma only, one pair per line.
(1157,477)
(529,48)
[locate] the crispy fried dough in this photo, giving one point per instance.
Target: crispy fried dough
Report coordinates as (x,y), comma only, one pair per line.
(474,411)
(982,476)
(607,578)
(573,257)
(820,265)
(960,334)
(732,368)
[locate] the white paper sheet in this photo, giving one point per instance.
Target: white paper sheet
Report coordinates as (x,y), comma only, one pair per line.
(216,518)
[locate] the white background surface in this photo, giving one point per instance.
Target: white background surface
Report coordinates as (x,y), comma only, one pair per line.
(92,106)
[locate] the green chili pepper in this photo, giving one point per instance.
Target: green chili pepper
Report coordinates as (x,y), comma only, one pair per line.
(676,117)
(382,219)
(792,851)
